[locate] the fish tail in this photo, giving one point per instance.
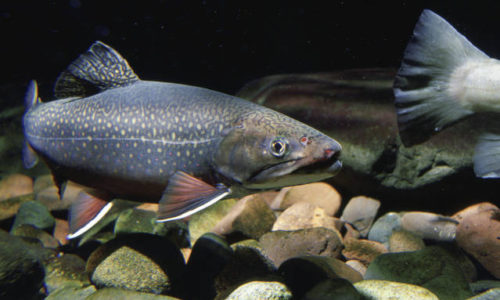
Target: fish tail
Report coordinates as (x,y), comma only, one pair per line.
(487,156)
(423,87)
(30,158)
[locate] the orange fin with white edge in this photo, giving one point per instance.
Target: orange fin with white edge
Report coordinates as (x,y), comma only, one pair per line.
(186,195)
(88,209)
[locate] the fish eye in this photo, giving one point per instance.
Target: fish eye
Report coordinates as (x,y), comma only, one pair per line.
(278,147)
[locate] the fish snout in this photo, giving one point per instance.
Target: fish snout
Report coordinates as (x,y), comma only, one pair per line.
(331,155)
(332,150)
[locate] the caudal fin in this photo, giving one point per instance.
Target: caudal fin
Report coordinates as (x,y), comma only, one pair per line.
(422,85)
(487,156)
(31,99)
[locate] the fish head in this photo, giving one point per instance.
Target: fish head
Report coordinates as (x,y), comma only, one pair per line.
(270,150)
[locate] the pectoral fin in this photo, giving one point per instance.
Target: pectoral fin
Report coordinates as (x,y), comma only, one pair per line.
(85,212)
(186,195)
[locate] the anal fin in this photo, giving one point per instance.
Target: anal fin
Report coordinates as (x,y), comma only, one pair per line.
(186,195)
(85,212)
(30,158)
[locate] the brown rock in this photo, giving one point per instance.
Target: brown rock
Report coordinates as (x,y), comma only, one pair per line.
(360,212)
(357,266)
(250,216)
(429,225)
(303,215)
(473,209)
(275,203)
(9,207)
(15,185)
(351,232)
(403,240)
(282,245)
(61,230)
(49,196)
(319,193)
(269,197)
(479,235)
(363,250)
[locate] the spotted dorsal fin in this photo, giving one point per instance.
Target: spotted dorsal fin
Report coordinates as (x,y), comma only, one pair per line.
(98,69)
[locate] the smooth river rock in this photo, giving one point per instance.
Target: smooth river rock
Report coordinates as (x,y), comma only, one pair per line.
(383,289)
(433,268)
(282,245)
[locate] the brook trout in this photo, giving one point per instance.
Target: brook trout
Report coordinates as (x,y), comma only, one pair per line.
(184,146)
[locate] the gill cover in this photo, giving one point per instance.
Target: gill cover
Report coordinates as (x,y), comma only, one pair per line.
(246,154)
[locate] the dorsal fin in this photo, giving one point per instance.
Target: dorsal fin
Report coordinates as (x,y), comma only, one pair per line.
(98,69)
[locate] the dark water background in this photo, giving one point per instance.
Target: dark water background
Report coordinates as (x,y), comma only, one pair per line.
(220,44)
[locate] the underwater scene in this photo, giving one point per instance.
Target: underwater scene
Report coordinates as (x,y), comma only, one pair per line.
(249,150)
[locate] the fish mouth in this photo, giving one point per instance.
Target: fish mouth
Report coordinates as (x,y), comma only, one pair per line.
(295,171)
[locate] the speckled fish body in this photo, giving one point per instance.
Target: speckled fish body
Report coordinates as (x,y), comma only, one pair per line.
(185,146)
(134,135)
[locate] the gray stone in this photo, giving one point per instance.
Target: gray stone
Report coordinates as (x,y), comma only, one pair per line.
(337,288)
(382,229)
(360,212)
(433,268)
(21,271)
(383,289)
(71,291)
(138,262)
(357,265)
(430,226)
(261,290)
(36,214)
(123,294)
(282,245)
(303,272)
